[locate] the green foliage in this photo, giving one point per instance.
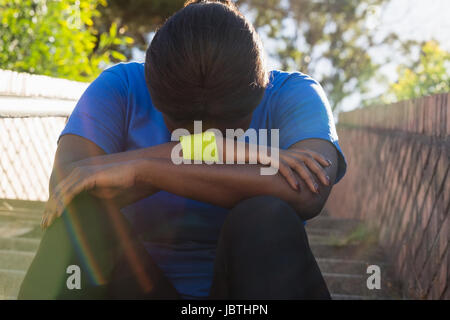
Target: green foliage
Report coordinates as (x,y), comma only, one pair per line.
(76,39)
(330,35)
(137,17)
(429,75)
(357,236)
(57,38)
(329,40)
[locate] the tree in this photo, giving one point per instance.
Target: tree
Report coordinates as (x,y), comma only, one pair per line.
(430,74)
(57,38)
(328,39)
(137,18)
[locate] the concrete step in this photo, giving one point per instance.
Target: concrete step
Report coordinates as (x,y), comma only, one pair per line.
(349,251)
(15,228)
(325,232)
(24,215)
(331,223)
(23,205)
(342,284)
(342,263)
(325,239)
(327,251)
(337,296)
(356,267)
(10,281)
(19,244)
(18,210)
(15,260)
(346,279)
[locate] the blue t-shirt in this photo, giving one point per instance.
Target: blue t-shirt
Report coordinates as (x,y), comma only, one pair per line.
(116,113)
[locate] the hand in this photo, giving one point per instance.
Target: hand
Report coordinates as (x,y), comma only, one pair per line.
(103,181)
(305,163)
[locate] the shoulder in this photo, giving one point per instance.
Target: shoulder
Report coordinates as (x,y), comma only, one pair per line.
(296,87)
(279,78)
(114,85)
(126,72)
(119,81)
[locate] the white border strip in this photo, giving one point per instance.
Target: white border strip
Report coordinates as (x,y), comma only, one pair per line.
(27,85)
(23,107)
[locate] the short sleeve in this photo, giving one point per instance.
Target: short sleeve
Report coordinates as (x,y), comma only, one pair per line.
(100,114)
(302,111)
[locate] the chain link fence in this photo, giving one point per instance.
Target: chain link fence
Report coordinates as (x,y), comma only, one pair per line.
(27,148)
(33,112)
(398,182)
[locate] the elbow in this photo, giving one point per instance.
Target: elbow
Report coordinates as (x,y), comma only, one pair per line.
(311,213)
(309,205)
(308,208)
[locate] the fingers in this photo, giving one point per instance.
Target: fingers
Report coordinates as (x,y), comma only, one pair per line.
(316,156)
(309,165)
(44,220)
(49,215)
(288,174)
(63,194)
(305,174)
(317,169)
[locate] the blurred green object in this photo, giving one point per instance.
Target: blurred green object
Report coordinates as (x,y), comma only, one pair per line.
(429,75)
(57,38)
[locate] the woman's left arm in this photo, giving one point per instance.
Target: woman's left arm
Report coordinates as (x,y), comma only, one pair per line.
(223,185)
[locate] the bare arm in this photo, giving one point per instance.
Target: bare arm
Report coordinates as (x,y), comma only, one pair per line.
(223,185)
(74,151)
(226,185)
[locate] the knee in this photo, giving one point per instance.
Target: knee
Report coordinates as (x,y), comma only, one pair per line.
(264,217)
(264,210)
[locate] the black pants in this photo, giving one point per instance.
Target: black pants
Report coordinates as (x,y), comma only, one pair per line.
(262,253)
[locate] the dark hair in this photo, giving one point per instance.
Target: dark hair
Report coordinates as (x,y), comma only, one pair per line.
(206,63)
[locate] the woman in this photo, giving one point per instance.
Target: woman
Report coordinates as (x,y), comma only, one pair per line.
(138,225)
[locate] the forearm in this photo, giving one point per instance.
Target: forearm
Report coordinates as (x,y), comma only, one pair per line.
(226,185)
(162,151)
(220,184)
(62,169)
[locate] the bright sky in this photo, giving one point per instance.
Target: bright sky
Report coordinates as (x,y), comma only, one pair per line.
(419,19)
(410,19)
